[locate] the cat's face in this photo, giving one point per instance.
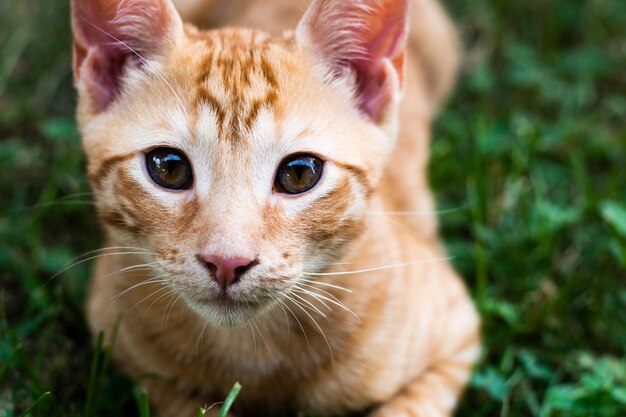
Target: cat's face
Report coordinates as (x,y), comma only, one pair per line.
(239,161)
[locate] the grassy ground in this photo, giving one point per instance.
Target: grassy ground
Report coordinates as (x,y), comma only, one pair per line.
(529,157)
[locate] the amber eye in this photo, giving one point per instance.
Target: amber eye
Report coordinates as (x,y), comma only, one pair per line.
(298,174)
(169,168)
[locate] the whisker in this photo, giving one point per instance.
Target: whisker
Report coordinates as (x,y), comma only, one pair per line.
(304,300)
(118,272)
(328,263)
(253,338)
(330,350)
(109,248)
(300,285)
(152,294)
(263,338)
(62,203)
(319,300)
(299,324)
(148,266)
(418,212)
(92,258)
(171,293)
(286,322)
(335,301)
(168,310)
(326,284)
(199,342)
(60,200)
(155,280)
(379,268)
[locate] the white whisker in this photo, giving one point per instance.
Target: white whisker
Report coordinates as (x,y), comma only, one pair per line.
(330,350)
(304,300)
(62,203)
(417,212)
(154,280)
(168,310)
(263,338)
(171,292)
(286,322)
(92,258)
(334,300)
(379,268)
(149,266)
(198,343)
(253,338)
(326,284)
(311,294)
(299,324)
(152,294)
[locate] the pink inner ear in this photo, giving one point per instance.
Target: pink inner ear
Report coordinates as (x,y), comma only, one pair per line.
(103,75)
(361,35)
(387,44)
(109,32)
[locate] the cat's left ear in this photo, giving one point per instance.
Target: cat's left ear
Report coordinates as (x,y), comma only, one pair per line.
(361,39)
(110,34)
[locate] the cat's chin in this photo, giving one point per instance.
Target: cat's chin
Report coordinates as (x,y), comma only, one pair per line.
(223,312)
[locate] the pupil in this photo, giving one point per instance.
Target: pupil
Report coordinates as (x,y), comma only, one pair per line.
(299,172)
(171,166)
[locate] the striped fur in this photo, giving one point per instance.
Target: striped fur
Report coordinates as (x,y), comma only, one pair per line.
(347,310)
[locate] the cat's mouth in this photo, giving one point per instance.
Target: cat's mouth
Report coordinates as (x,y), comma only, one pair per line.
(226,311)
(225,301)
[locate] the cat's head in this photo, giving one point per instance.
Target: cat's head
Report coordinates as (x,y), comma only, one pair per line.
(239,160)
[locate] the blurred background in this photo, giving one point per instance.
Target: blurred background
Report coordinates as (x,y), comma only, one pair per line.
(528,164)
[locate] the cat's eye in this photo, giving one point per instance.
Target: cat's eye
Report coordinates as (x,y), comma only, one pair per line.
(298,174)
(169,168)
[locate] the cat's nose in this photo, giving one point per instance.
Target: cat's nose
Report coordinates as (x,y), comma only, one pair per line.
(227,271)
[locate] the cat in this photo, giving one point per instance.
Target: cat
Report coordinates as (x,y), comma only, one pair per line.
(250,184)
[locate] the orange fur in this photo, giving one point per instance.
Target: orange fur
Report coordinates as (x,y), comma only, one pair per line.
(348,309)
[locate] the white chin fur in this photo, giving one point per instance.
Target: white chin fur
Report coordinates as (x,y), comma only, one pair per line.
(225,316)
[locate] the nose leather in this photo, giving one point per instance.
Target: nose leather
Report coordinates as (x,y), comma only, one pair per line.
(226,271)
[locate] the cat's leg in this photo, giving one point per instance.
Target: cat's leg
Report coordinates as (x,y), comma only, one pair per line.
(433,394)
(436,391)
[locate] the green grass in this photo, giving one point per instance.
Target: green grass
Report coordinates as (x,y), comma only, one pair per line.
(530,155)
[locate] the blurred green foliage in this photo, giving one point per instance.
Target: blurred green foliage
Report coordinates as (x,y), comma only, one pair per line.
(528,164)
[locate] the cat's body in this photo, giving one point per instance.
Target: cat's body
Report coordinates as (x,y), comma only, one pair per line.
(302,329)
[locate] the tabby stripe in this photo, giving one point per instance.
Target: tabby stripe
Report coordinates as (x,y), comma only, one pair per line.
(105,168)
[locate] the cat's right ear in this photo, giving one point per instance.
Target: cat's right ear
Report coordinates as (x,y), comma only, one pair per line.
(111,34)
(364,40)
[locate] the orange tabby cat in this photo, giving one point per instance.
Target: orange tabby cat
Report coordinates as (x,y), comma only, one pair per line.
(247,184)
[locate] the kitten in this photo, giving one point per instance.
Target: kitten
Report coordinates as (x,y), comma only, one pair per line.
(246,183)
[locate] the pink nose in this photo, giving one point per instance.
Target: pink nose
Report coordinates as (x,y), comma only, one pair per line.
(226,271)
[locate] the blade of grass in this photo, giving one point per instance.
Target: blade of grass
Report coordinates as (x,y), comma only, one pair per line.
(35,404)
(144,404)
(93,379)
(229,400)
(5,369)
(20,354)
(108,351)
